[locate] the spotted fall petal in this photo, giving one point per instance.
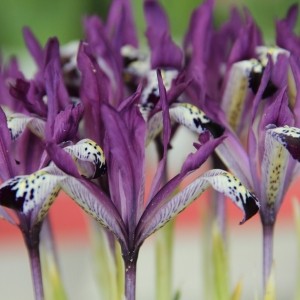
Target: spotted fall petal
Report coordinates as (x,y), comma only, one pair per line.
(17,123)
(87,150)
(187,115)
(274,167)
(31,195)
(94,202)
(289,138)
(236,91)
(222,182)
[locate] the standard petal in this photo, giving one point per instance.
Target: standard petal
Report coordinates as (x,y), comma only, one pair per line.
(221,181)
(164,52)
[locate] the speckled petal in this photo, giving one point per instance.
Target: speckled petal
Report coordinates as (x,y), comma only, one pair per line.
(88,151)
(222,182)
(34,192)
(17,123)
(187,115)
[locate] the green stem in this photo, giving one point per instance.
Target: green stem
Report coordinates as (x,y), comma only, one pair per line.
(164,247)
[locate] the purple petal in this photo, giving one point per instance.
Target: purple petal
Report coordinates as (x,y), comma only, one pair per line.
(160,172)
(33,46)
(193,162)
(285,37)
(93,201)
(124,150)
(120,24)
(6,166)
(62,159)
(221,181)
(66,123)
(164,52)
(57,94)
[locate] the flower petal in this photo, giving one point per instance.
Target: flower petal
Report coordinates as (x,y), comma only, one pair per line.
(187,115)
(289,138)
(17,123)
(164,52)
(34,192)
(94,202)
(88,151)
(221,181)
(274,167)
(6,167)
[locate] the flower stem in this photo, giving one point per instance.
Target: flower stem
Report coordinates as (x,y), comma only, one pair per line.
(36,271)
(268,235)
(130,278)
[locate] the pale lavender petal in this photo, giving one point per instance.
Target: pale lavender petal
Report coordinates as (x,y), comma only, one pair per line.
(221,181)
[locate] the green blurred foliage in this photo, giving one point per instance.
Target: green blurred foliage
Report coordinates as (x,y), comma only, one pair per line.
(63,18)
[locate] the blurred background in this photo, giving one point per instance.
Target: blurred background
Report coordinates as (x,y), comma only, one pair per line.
(63,19)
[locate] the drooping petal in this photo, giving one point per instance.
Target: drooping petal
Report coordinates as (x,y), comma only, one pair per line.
(289,138)
(34,192)
(87,150)
(192,162)
(93,201)
(221,181)
(187,115)
(17,123)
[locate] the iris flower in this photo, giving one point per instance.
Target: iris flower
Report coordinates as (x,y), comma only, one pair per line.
(36,108)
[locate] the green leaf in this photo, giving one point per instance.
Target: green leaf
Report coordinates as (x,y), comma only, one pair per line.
(220,265)
(164,255)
